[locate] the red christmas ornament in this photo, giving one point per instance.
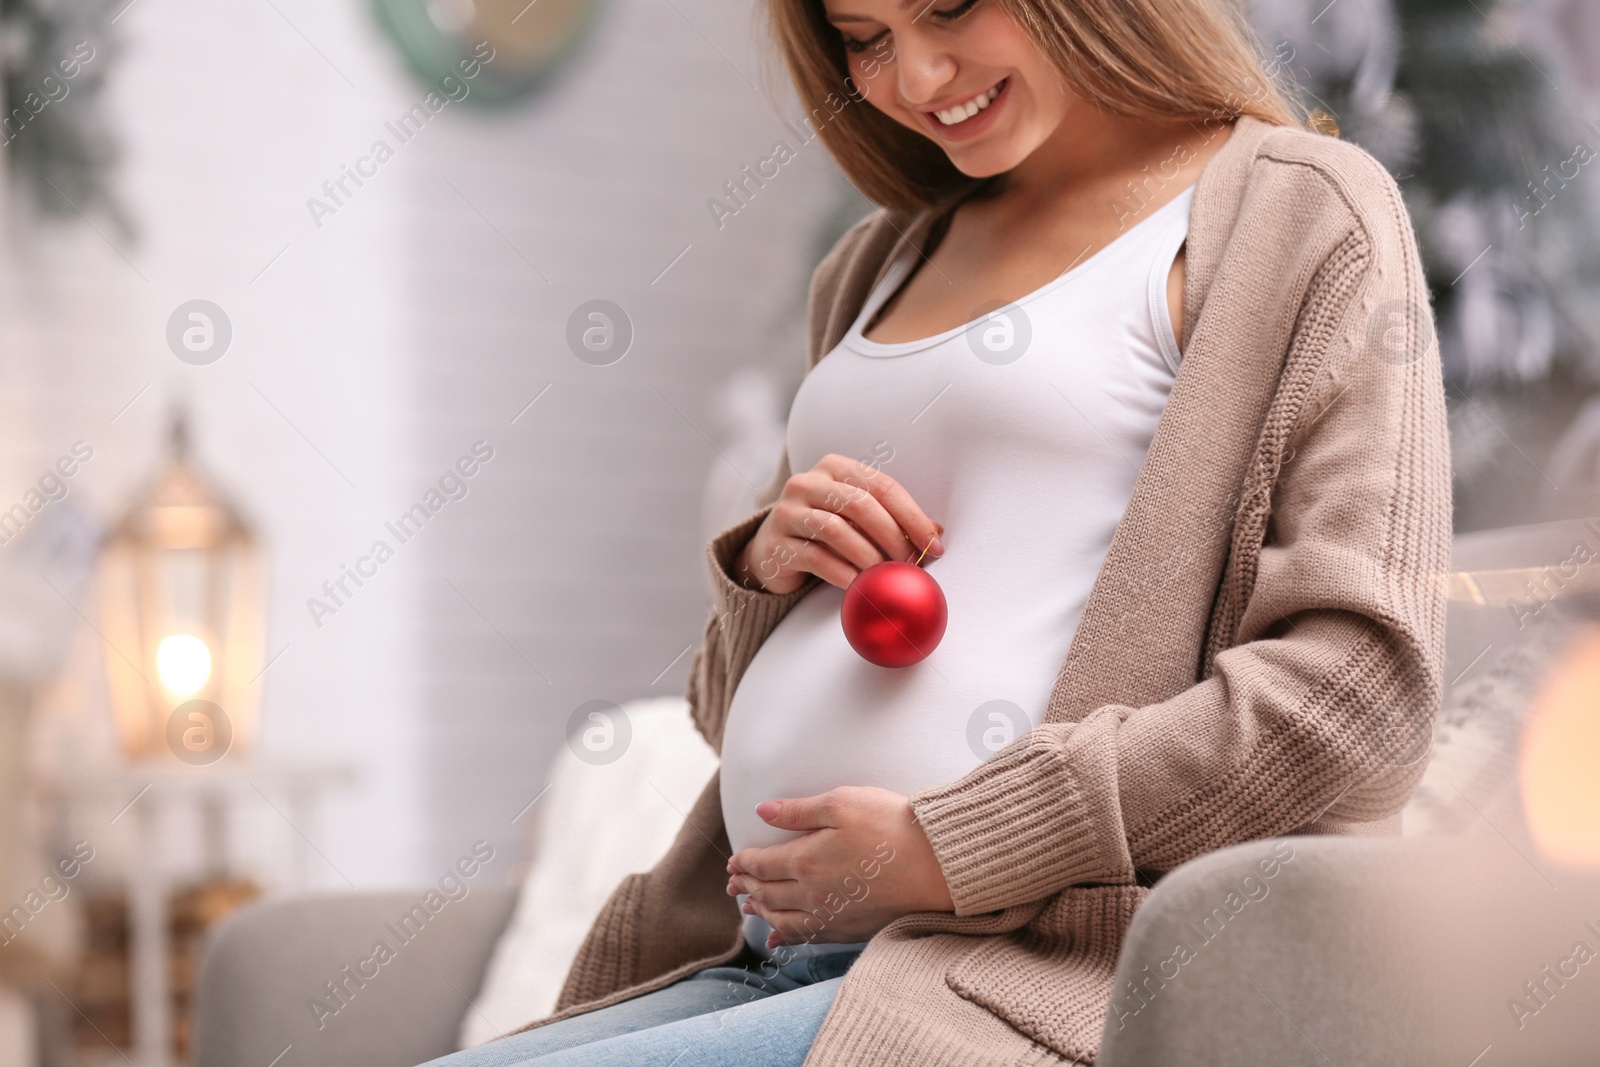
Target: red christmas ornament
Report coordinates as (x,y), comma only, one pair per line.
(894,614)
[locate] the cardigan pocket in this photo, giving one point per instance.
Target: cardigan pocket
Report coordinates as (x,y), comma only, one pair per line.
(1052,979)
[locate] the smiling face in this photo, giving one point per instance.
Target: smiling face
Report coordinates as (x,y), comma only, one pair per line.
(960,72)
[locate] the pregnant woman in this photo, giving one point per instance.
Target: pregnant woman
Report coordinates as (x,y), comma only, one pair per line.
(1142,371)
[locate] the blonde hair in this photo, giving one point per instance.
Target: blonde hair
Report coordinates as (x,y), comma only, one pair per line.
(1181,59)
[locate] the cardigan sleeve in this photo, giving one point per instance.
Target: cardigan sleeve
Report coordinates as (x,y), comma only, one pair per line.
(1321,704)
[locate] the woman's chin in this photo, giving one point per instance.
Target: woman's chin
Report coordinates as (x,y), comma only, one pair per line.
(985,162)
(995,151)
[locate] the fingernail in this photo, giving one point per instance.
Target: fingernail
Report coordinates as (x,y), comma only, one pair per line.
(938,527)
(733,890)
(937,548)
(747,908)
(768,809)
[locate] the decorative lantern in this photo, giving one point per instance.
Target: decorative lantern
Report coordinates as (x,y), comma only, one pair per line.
(181,598)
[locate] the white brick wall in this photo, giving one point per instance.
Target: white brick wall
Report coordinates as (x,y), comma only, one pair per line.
(396,335)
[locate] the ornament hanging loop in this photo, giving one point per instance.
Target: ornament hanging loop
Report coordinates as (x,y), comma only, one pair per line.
(918,561)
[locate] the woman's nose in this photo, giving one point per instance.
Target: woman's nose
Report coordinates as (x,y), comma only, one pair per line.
(924,72)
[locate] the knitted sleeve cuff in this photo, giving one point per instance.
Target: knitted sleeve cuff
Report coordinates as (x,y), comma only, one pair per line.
(1031,820)
(723,552)
(756,610)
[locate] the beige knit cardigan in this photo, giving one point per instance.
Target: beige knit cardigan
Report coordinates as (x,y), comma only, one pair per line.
(1261,652)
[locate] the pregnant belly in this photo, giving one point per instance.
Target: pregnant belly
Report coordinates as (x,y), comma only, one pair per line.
(810,715)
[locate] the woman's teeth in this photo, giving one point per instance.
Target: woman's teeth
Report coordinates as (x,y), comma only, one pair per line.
(963,112)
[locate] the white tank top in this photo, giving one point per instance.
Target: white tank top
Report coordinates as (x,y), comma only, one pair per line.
(1022,433)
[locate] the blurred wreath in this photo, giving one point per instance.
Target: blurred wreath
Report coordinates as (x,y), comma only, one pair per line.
(54,55)
(531,40)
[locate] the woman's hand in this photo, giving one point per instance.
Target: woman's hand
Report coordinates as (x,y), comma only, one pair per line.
(862,863)
(835,520)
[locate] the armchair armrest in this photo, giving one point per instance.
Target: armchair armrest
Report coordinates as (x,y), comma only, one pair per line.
(1317,950)
(308,972)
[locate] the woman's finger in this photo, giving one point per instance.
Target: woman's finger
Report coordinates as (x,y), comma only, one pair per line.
(820,560)
(798,927)
(867,513)
(774,896)
(791,928)
(883,509)
(923,531)
(849,491)
(834,521)
(760,864)
(788,919)
(838,533)
(776,555)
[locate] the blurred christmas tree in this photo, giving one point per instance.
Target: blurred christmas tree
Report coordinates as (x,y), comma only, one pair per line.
(1494,161)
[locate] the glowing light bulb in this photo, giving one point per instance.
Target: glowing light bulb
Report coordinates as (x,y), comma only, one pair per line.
(1559,789)
(184,664)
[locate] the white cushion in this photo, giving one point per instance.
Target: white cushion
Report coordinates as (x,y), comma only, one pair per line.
(595,825)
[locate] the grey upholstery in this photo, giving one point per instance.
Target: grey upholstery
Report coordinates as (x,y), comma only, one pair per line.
(265,965)
(1355,951)
(1360,951)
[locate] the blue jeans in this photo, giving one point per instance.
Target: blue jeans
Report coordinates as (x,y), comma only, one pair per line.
(749,1013)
